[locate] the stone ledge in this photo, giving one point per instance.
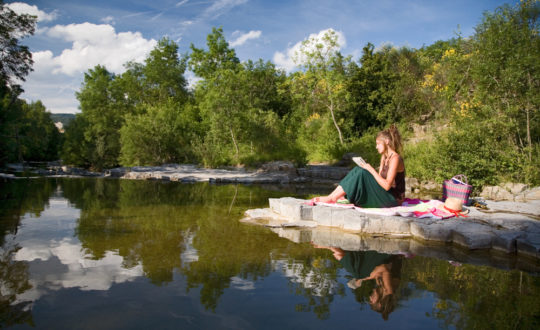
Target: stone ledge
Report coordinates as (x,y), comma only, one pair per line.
(510,233)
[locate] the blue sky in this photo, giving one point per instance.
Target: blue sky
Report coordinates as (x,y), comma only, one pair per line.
(73,36)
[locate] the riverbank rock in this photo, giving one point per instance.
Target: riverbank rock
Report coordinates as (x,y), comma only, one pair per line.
(323,172)
(518,192)
(280,167)
(499,230)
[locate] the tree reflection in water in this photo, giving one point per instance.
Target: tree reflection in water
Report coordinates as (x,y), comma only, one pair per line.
(162,230)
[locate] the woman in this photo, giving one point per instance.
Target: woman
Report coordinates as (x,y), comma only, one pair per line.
(365,187)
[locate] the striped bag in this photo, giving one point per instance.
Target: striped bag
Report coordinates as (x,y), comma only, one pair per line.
(457,187)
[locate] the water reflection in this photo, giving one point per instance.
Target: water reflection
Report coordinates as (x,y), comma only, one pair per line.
(176,255)
(377,274)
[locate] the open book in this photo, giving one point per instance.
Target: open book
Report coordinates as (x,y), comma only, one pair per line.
(359,160)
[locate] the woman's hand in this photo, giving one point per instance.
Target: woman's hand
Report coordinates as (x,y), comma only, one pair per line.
(367,167)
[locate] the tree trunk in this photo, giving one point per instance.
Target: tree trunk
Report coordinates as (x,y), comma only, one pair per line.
(528,113)
(336,124)
(235,144)
(529,140)
(331,108)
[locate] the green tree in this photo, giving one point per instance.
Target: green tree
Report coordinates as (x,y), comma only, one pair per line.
(41,139)
(98,100)
(218,57)
(506,69)
(244,113)
(15,63)
(164,73)
(323,63)
(371,85)
(160,135)
(160,78)
(15,59)
(76,150)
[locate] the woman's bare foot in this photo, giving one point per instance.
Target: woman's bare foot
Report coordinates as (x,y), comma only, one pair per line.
(323,199)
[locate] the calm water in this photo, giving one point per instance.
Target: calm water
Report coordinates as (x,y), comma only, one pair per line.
(112,254)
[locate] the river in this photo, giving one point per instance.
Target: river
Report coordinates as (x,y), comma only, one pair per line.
(121,254)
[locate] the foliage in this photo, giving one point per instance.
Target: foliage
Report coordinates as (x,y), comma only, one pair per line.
(321,96)
(237,110)
(97,99)
(481,92)
(15,59)
(218,57)
(26,131)
(160,135)
(40,139)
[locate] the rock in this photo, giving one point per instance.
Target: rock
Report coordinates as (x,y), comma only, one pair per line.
(479,231)
(532,194)
(505,240)
(292,208)
(515,188)
(529,245)
(116,172)
(346,160)
(412,183)
(7,176)
(280,166)
(318,172)
(431,186)
(473,236)
(496,193)
(431,231)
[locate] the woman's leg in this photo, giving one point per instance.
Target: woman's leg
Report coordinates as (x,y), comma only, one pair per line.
(333,197)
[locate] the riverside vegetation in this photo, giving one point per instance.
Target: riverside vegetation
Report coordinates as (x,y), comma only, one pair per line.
(476,97)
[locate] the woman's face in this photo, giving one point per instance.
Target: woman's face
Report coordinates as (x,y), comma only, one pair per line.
(380,144)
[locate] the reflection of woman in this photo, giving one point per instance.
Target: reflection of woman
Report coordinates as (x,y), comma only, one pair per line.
(381,268)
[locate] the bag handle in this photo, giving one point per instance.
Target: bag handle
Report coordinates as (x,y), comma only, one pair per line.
(462,178)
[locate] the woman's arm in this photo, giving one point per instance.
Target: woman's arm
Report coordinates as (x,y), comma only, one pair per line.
(390,176)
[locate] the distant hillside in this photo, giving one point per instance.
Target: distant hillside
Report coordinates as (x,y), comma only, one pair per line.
(64,118)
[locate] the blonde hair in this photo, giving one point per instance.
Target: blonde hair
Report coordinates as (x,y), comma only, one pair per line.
(391,134)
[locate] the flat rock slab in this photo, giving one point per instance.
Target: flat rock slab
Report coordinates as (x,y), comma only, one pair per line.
(192,173)
(498,230)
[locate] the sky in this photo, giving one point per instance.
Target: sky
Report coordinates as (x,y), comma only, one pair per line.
(73,36)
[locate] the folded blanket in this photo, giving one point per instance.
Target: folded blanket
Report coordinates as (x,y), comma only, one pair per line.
(418,209)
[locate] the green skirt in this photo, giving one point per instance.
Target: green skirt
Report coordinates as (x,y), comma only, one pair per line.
(362,189)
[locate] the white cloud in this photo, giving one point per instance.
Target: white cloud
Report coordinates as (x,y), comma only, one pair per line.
(56,78)
(220,7)
(245,37)
(183,2)
(23,8)
(95,44)
(108,20)
(291,57)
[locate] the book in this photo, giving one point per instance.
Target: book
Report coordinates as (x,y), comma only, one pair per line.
(359,160)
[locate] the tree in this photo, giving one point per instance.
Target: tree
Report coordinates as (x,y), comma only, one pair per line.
(160,135)
(507,68)
(371,87)
(15,64)
(321,59)
(244,114)
(97,102)
(76,150)
(41,139)
(160,77)
(164,73)
(15,59)
(218,57)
